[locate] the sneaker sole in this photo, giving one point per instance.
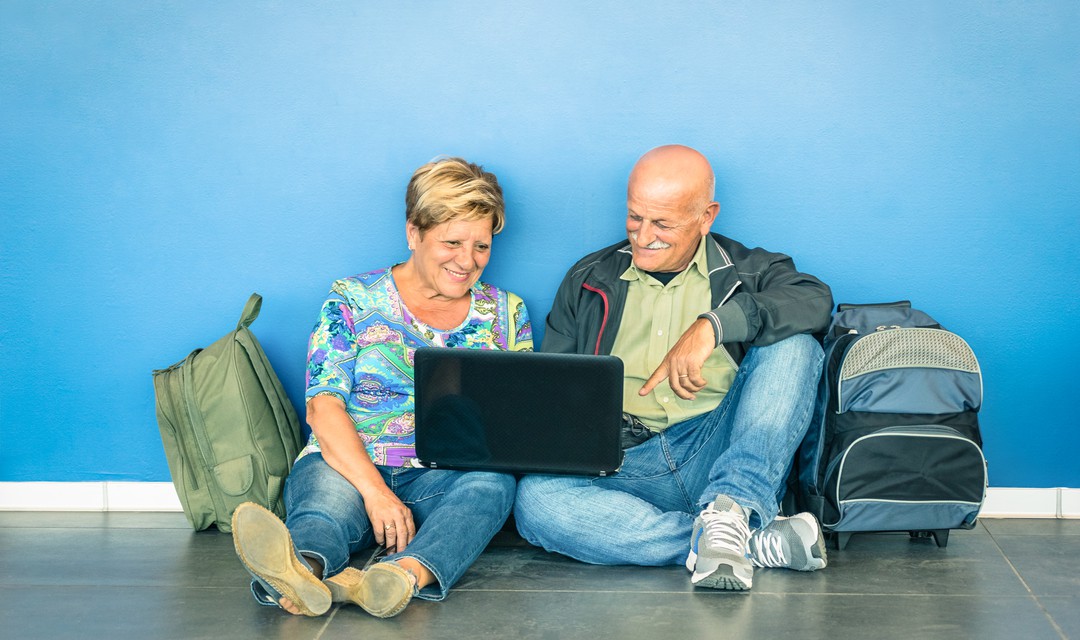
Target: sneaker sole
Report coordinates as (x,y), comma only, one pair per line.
(264,546)
(818,553)
(724,579)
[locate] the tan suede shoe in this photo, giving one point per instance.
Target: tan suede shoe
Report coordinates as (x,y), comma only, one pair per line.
(265,547)
(383,590)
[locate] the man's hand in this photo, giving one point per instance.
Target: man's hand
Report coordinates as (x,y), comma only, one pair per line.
(682,365)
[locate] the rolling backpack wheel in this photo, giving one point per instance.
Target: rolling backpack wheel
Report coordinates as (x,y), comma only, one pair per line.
(940,536)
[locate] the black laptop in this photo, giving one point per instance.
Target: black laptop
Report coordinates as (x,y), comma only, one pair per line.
(518,411)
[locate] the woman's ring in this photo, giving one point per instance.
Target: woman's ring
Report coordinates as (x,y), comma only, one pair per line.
(388,526)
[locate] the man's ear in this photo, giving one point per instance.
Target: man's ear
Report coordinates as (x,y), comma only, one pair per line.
(709,217)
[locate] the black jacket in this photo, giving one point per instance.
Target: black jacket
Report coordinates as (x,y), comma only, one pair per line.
(758,298)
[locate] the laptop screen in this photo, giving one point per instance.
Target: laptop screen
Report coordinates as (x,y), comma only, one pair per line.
(518,411)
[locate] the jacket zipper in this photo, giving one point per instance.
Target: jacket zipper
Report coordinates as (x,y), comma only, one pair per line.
(727,354)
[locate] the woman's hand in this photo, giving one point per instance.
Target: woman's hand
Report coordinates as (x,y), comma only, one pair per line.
(391,521)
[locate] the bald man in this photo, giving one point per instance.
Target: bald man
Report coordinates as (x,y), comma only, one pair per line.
(720,377)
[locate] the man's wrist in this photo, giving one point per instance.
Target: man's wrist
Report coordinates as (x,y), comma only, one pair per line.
(729,323)
(718,329)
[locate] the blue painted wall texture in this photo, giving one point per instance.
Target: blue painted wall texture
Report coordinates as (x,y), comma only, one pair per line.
(159,161)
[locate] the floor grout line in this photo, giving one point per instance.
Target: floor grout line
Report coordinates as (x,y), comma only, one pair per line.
(326,625)
(1031,592)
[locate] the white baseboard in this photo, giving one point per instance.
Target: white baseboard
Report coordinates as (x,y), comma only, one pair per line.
(88,496)
(1031,503)
(1001,502)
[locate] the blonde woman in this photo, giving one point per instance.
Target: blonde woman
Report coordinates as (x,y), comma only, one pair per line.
(355,483)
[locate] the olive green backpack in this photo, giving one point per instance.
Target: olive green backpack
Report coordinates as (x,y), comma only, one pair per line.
(230,432)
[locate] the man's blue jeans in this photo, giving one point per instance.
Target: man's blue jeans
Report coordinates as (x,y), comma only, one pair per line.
(644,514)
(456,513)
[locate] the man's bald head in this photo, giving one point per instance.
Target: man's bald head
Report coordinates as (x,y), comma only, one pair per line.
(679,170)
(670,207)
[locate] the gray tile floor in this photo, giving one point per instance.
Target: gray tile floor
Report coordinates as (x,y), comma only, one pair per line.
(147,575)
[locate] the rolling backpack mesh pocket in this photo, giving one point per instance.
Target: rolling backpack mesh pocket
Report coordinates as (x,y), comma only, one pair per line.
(913,347)
(909,370)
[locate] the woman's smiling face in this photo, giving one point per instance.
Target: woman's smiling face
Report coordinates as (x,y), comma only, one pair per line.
(450,257)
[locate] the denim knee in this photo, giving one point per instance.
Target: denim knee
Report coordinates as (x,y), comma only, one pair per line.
(537,502)
(524,504)
(491,487)
(801,352)
(529,490)
(501,482)
(326,515)
(314,486)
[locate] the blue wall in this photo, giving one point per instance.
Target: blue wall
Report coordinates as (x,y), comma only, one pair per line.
(160,161)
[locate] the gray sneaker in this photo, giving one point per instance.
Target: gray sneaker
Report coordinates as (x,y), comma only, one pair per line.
(718,547)
(792,543)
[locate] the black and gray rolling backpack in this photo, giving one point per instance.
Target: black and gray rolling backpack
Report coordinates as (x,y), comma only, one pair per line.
(894,444)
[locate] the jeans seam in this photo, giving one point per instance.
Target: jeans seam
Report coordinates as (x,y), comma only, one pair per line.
(791,443)
(673,471)
(693,501)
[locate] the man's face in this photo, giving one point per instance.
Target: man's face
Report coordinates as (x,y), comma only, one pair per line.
(664,226)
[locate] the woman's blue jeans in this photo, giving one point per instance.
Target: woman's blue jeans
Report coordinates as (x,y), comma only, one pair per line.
(456,513)
(644,514)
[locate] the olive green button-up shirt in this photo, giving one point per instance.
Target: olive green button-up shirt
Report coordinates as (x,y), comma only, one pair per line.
(653,320)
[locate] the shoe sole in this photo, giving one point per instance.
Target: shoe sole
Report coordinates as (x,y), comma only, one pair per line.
(818,552)
(722,578)
(379,590)
(264,546)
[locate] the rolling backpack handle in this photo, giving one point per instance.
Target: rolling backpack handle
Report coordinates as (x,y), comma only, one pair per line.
(900,304)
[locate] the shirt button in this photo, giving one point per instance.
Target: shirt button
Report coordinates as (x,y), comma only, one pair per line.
(666,399)
(660,332)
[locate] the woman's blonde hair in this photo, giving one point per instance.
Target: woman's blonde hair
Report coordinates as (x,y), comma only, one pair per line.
(448,189)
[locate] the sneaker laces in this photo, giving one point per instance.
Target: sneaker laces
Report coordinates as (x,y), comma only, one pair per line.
(767,549)
(725,529)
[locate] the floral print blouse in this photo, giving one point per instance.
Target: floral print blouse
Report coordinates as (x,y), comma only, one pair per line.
(362,351)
